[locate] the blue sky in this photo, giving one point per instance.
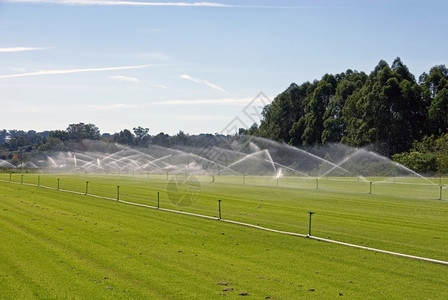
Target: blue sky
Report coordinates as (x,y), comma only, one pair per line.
(191,65)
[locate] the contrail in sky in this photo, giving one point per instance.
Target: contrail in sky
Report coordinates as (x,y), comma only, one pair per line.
(150,3)
(71,71)
(204,82)
(122,3)
(20,49)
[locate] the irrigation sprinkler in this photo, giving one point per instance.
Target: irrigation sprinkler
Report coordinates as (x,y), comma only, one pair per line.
(317,183)
(277,182)
(370,191)
(10,175)
(309,227)
(118,192)
(87,186)
(38,181)
(158,200)
(219,209)
(441,187)
(21,179)
(58,184)
(244,179)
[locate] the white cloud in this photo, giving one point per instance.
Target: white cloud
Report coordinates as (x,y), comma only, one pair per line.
(20,49)
(115,106)
(136,80)
(153,56)
(10,108)
(19,70)
(160,86)
(123,3)
(184,76)
(223,101)
(201,118)
(120,106)
(204,82)
(71,71)
(124,78)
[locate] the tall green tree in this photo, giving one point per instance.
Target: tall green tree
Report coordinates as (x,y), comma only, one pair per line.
(141,134)
(80,131)
(283,112)
(181,139)
(387,111)
(316,108)
(301,98)
(125,137)
(334,120)
(435,93)
(161,139)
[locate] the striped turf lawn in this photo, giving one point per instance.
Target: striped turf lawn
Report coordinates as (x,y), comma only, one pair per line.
(57,245)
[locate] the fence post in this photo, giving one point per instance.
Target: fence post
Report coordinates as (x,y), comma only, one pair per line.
(309,227)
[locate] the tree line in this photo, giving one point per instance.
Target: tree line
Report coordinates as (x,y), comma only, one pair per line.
(18,146)
(387,110)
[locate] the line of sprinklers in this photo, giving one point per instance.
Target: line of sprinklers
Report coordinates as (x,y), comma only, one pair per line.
(213,180)
(277,178)
(267,161)
(86,191)
(178,161)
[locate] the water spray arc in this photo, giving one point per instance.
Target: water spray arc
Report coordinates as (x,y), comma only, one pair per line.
(245,160)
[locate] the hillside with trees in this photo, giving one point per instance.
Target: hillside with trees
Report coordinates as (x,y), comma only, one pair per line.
(387,110)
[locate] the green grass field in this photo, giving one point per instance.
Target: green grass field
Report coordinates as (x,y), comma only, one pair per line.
(57,245)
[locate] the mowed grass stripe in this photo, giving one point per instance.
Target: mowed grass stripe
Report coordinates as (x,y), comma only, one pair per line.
(407,225)
(95,252)
(322,239)
(157,255)
(53,247)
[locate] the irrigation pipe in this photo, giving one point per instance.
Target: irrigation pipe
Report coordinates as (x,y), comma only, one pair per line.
(380,251)
(442,262)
